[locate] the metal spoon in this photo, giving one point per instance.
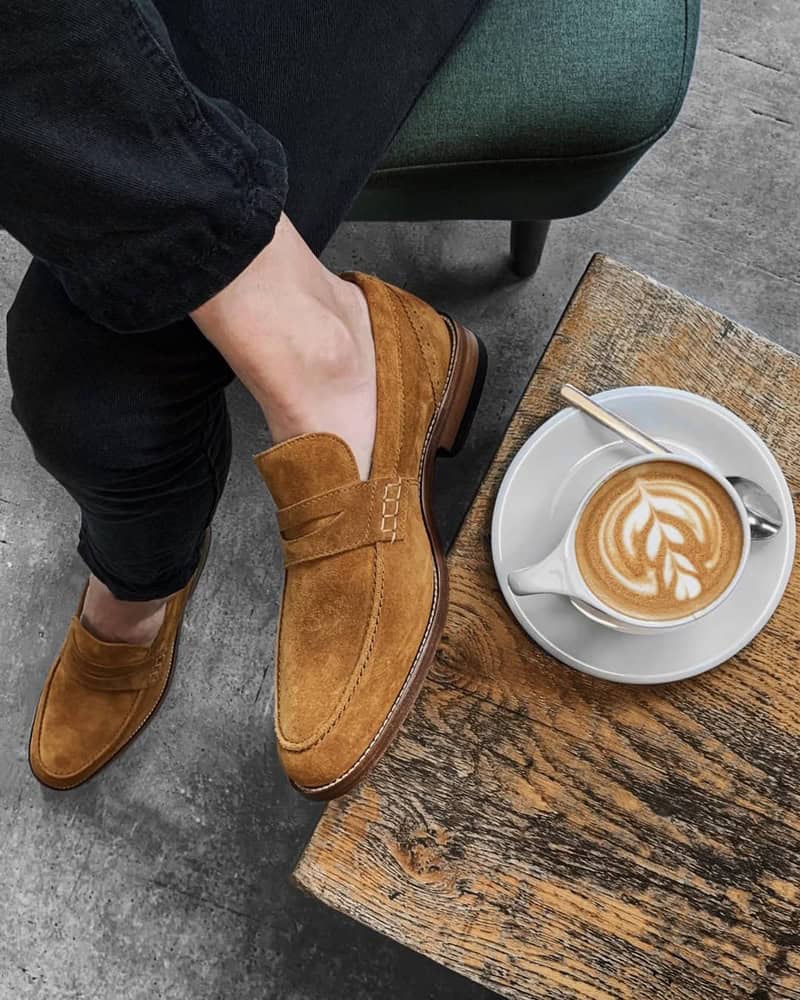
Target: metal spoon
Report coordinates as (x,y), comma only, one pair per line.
(763,513)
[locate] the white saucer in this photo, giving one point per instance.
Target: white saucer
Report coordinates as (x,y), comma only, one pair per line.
(556,467)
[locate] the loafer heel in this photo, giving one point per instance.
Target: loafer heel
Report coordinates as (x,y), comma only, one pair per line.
(464,394)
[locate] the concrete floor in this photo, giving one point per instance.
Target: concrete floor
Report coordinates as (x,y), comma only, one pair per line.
(168,876)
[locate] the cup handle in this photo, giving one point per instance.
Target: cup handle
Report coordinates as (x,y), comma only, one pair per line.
(546,577)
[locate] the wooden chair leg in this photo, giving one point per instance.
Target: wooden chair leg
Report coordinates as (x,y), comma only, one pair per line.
(527,243)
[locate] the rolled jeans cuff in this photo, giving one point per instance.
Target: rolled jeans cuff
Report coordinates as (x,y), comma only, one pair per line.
(138,281)
(165,585)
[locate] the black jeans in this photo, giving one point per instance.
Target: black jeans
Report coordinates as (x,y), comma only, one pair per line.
(146,152)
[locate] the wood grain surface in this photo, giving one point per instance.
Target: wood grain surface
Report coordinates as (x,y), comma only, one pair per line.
(556,836)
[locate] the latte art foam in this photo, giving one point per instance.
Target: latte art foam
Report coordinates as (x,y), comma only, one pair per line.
(660,540)
(649,525)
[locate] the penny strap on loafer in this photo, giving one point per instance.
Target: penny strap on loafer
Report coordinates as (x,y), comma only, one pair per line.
(324,508)
(345,518)
(105,666)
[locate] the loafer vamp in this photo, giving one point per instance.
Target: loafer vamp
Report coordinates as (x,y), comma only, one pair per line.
(360,647)
(77,726)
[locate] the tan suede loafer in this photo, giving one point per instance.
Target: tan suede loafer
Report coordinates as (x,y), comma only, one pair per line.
(365,592)
(98,695)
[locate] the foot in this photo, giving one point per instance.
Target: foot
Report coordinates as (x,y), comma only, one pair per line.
(330,381)
(365,590)
(112,620)
(300,339)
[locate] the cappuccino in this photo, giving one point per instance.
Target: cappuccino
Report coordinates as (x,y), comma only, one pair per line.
(659,540)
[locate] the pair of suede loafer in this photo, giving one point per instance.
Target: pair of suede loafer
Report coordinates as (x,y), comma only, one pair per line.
(365,590)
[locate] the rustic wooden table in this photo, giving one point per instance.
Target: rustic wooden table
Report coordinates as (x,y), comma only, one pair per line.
(555,836)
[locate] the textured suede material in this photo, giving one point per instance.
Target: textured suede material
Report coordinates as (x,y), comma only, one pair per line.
(306,466)
(97,696)
(319,649)
(352,623)
(107,666)
(345,518)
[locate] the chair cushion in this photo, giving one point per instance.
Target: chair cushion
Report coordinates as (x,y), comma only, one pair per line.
(548,80)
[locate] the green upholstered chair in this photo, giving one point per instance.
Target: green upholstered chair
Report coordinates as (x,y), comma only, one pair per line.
(538,115)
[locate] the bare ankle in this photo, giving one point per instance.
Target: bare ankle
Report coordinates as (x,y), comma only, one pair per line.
(112,620)
(300,339)
(335,357)
(285,314)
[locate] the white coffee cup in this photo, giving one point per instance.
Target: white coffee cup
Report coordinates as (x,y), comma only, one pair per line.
(559,573)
